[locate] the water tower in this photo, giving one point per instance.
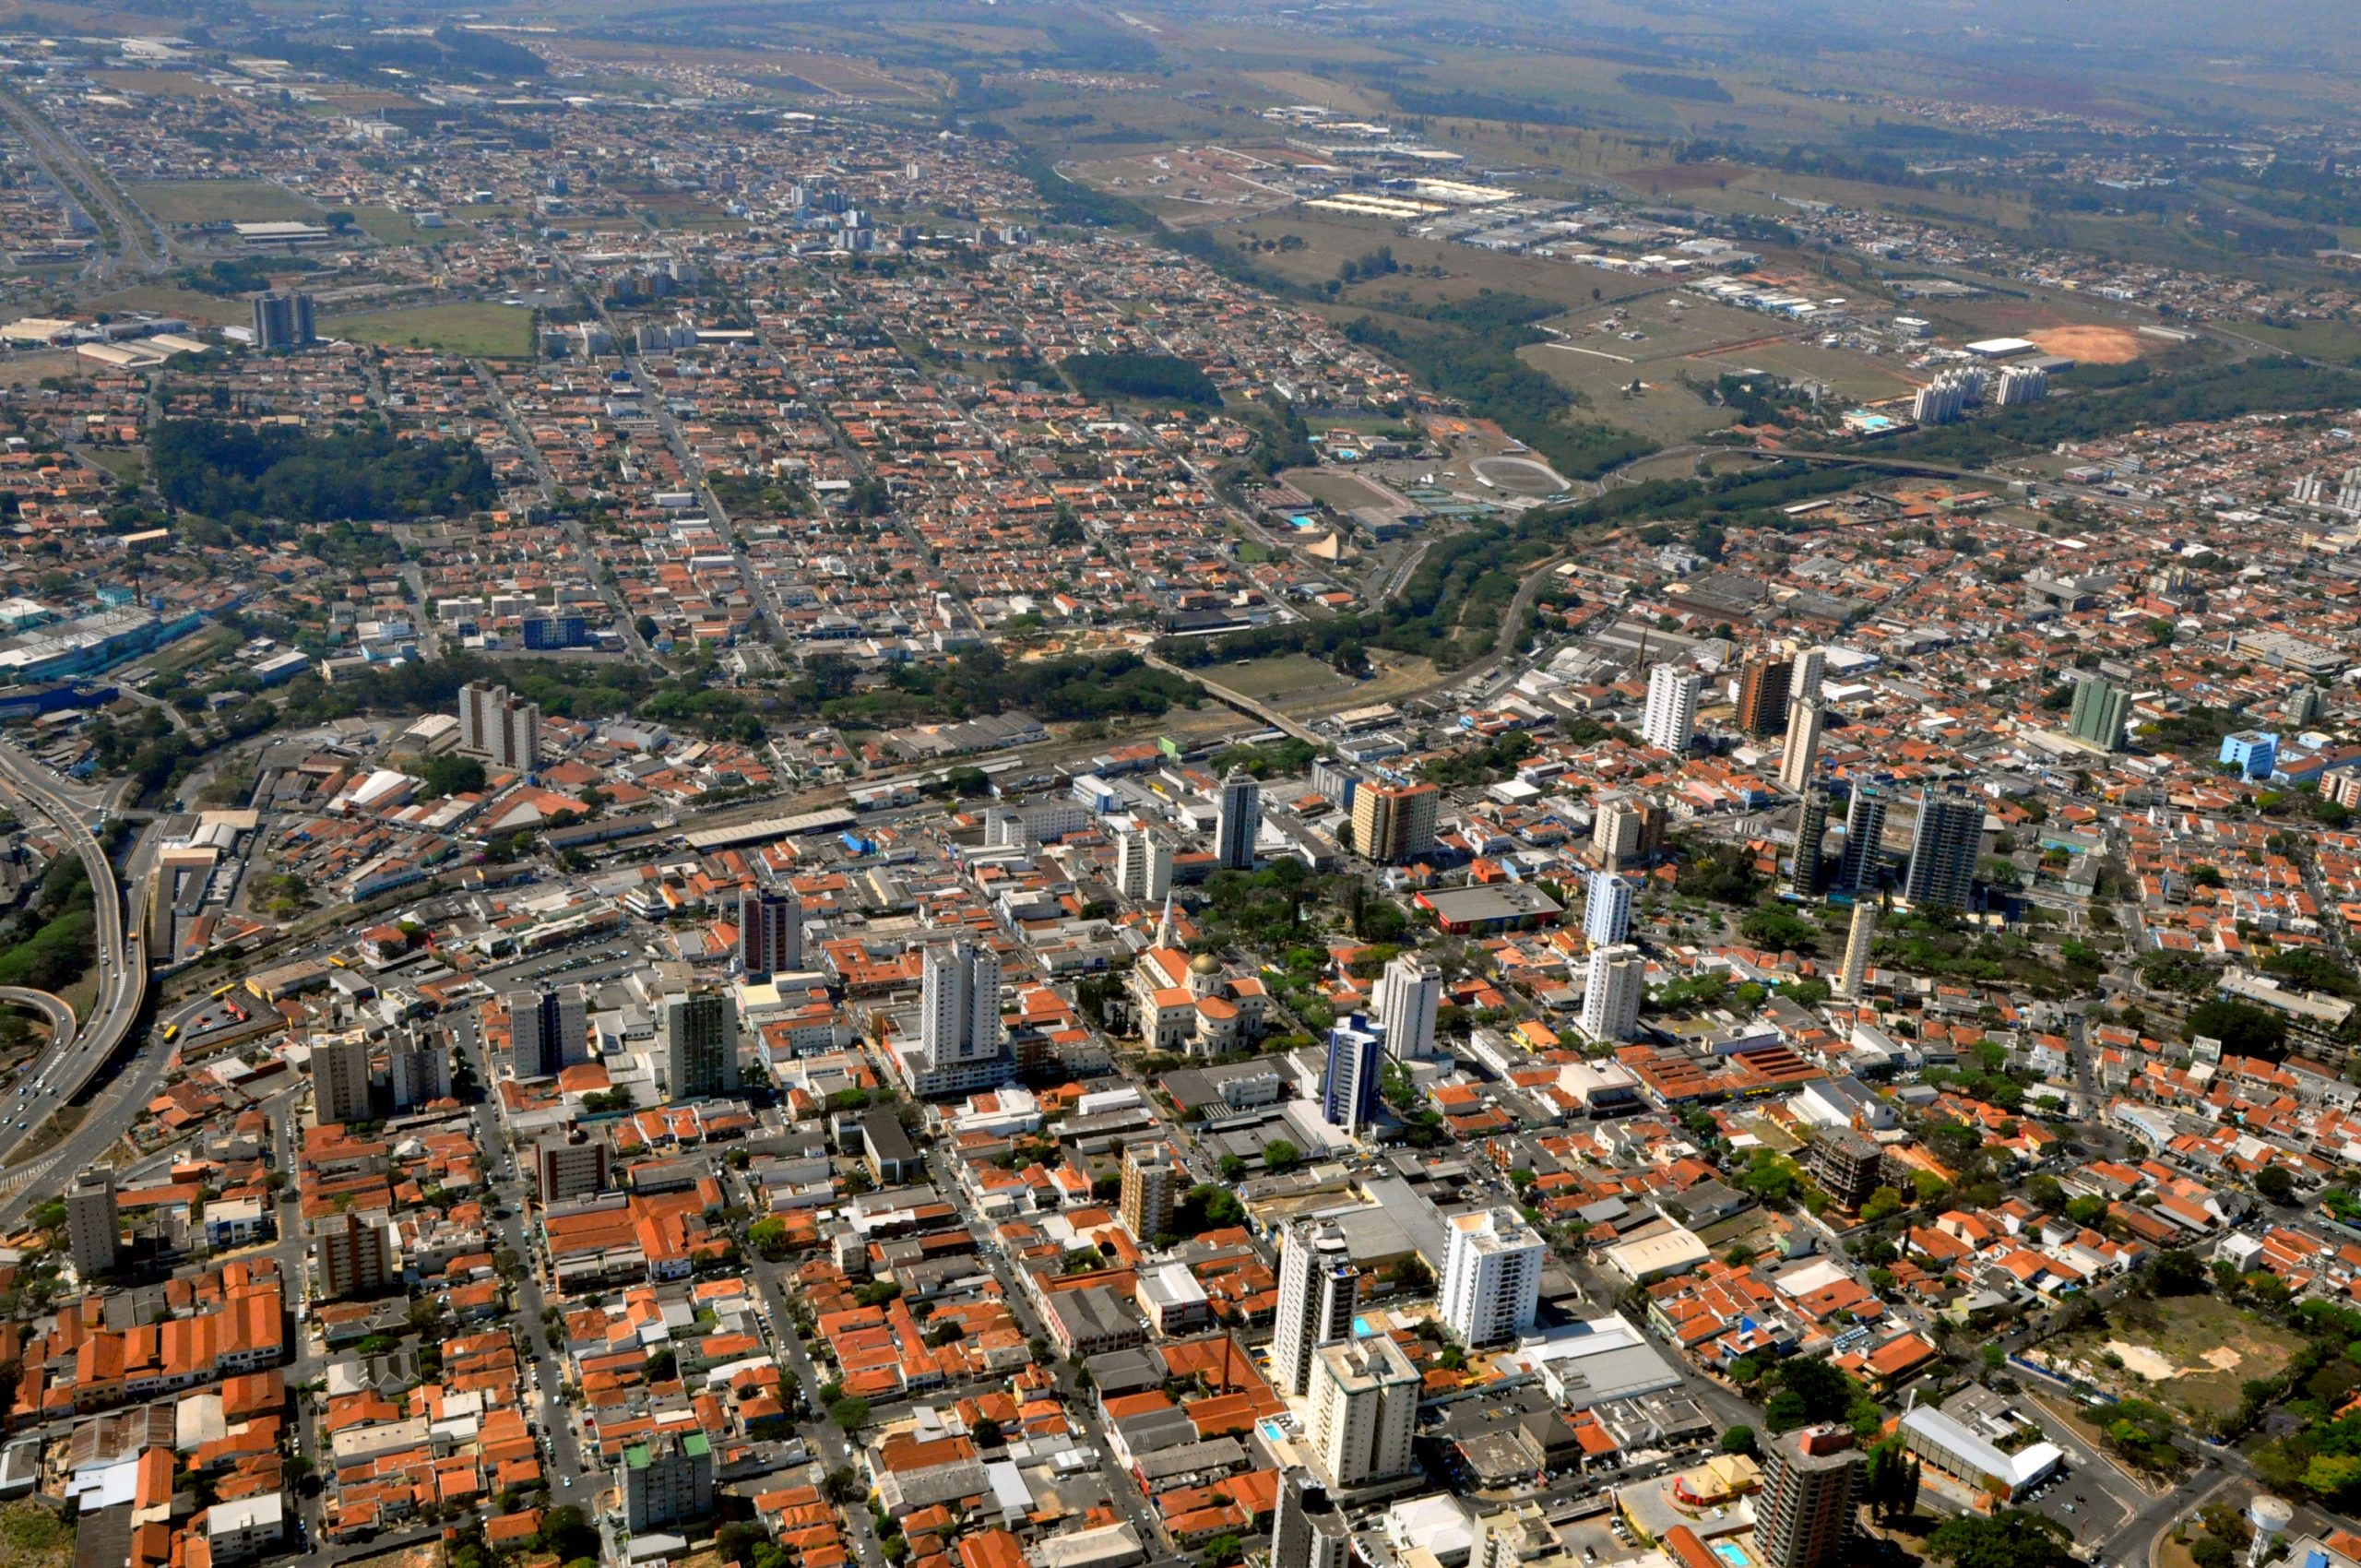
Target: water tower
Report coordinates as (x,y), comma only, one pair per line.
(2270,1516)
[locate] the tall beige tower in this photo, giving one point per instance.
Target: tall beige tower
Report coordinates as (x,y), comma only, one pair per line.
(1806,719)
(92,1232)
(340,1081)
(1858,943)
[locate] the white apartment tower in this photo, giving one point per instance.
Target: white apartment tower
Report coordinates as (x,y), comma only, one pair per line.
(1805,675)
(1318,1287)
(1364,1408)
(1239,820)
(504,730)
(1606,909)
(1806,720)
(1143,865)
(1670,722)
(959,1017)
(1408,995)
(549,1030)
(1619,978)
(1491,1280)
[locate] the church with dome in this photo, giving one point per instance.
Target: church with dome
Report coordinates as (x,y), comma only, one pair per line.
(1192,1006)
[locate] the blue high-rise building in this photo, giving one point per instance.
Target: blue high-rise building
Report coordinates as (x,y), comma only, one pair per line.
(1356,1064)
(1607,912)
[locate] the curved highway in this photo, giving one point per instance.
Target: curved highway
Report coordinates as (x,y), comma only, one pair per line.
(122,968)
(50,1005)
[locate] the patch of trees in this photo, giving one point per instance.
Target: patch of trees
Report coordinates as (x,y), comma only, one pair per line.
(238,274)
(367,472)
(1470,355)
(53,942)
(1163,378)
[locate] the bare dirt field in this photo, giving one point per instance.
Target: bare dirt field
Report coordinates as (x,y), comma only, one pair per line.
(2091,345)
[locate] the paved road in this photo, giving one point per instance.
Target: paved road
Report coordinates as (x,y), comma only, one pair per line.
(135,240)
(122,966)
(55,1008)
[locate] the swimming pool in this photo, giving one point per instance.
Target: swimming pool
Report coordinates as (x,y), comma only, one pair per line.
(1732,1554)
(1360,1328)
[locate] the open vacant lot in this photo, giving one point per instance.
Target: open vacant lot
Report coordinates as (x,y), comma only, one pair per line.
(2193,1352)
(1272,680)
(1343,491)
(497,331)
(222,201)
(1662,410)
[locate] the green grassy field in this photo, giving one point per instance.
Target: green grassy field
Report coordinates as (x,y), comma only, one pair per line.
(1664,411)
(1343,491)
(496,331)
(1850,375)
(1269,679)
(2334,340)
(222,201)
(206,310)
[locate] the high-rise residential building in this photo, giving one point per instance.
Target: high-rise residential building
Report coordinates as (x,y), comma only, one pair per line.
(1810,666)
(1364,1411)
(502,729)
(340,1080)
(1618,980)
(1669,722)
(1348,1096)
(667,1480)
(418,1068)
(1803,1515)
(356,1255)
(697,1038)
(1606,909)
(1943,848)
(1762,695)
(1318,1290)
(1407,1000)
(93,1227)
(1804,878)
(284,320)
(1238,821)
(1628,831)
(770,931)
(1308,1530)
(959,1015)
(1806,719)
(1491,1276)
(573,1166)
(960,1047)
(1615,835)
(1143,865)
(2305,706)
(549,1030)
(1858,940)
(1393,823)
(1864,840)
(1151,1189)
(2098,714)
